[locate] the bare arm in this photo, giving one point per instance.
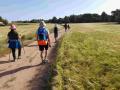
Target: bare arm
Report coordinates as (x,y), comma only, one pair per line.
(49,41)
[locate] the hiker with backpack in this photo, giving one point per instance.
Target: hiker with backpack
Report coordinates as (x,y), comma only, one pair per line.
(43,40)
(55,32)
(14,42)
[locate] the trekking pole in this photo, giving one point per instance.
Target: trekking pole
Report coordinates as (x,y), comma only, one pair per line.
(23,46)
(22,43)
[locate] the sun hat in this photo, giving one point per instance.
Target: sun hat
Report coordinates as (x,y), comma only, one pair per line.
(13,27)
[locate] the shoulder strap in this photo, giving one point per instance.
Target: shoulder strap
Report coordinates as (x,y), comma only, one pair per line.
(42,34)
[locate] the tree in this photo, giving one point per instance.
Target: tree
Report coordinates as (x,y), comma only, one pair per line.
(116,15)
(3,20)
(86,18)
(60,20)
(104,17)
(95,18)
(73,18)
(66,19)
(54,20)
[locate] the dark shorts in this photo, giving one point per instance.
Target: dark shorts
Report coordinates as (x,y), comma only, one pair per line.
(42,47)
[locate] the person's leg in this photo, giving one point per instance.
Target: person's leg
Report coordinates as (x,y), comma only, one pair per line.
(56,36)
(41,55)
(13,53)
(46,49)
(55,39)
(45,54)
(41,48)
(19,53)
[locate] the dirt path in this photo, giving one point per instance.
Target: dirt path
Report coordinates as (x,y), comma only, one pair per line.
(27,73)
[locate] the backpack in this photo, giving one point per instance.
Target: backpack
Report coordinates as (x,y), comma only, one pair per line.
(42,36)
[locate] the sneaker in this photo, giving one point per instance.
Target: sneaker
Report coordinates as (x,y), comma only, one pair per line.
(46,61)
(43,61)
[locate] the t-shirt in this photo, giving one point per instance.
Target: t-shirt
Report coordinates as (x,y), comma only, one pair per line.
(13,35)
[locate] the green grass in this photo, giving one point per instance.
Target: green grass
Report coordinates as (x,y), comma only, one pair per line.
(89,58)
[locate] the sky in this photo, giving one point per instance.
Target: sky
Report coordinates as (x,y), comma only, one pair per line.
(13,10)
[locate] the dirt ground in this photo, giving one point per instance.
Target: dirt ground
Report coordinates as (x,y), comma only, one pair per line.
(27,73)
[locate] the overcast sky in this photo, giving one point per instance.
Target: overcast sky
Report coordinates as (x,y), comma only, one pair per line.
(34,9)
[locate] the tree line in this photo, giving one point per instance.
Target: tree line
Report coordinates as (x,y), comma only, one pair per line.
(4,21)
(82,18)
(29,21)
(88,18)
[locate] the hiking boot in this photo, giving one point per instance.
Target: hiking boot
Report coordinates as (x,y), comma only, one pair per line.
(46,61)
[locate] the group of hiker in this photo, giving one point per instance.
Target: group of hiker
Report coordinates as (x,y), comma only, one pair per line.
(67,27)
(42,37)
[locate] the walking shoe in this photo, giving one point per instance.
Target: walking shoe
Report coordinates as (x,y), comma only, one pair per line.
(43,61)
(19,57)
(46,61)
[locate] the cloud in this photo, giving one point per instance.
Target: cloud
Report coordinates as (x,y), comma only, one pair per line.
(108,6)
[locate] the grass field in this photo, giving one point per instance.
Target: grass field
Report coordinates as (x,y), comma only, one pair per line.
(89,58)
(27,30)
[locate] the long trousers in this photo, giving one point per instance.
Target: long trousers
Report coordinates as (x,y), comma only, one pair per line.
(14,54)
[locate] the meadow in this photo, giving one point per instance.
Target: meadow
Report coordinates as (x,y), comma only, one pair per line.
(88,58)
(27,30)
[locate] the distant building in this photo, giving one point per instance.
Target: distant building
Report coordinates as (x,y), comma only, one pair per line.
(2,24)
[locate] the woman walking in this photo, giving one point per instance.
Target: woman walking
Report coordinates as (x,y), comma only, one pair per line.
(14,42)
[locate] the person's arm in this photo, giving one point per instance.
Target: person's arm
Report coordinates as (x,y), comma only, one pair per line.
(37,35)
(49,41)
(8,38)
(20,36)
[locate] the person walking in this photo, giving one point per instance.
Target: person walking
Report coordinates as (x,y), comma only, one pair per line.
(14,42)
(68,26)
(65,27)
(55,32)
(43,40)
